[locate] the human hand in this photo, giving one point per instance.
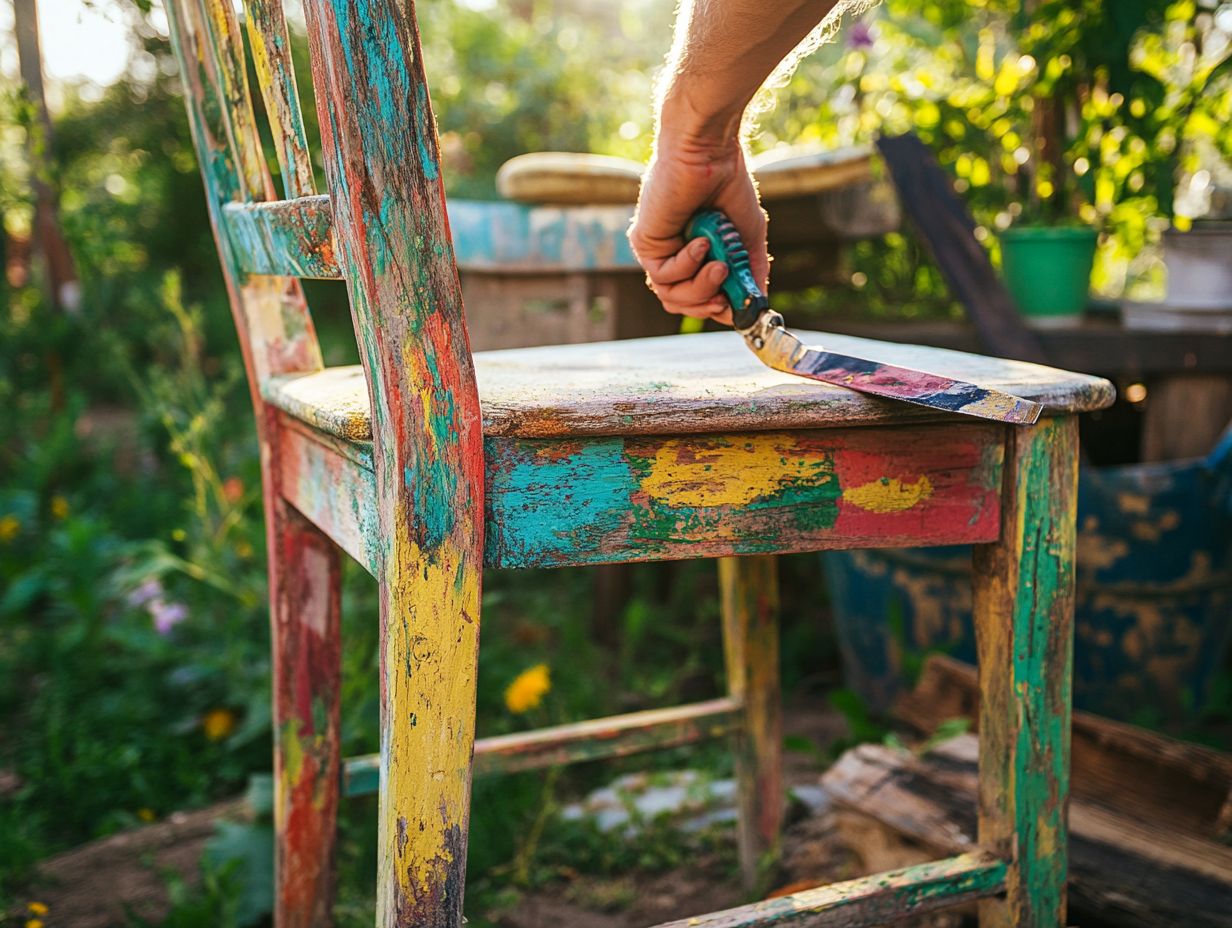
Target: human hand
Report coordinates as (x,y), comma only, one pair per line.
(684,176)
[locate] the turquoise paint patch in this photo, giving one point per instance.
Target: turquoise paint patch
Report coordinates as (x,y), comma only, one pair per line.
(542,509)
(425,134)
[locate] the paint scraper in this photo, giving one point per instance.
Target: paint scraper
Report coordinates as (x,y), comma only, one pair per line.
(765,334)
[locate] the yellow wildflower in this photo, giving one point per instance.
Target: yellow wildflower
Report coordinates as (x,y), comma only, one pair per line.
(34,923)
(146,815)
(218,723)
(59,507)
(10,528)
(38,908)
(528,689)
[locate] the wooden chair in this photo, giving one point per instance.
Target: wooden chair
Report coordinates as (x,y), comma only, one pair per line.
(428,463)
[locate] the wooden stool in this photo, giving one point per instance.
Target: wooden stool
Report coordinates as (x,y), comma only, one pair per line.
(428,463)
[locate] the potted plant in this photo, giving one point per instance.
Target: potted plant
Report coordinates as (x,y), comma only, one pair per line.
(1048,253)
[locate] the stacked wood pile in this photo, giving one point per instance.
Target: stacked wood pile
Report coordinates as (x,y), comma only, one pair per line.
(1150,816)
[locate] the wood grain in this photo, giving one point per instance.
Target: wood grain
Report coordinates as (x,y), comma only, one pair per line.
(705,383)
(1024,612)
(870,900)
(749,600)
(580,742)
(613,500)
(382,164)
(1124,870)
(305,626)
(284,237)
(271,56)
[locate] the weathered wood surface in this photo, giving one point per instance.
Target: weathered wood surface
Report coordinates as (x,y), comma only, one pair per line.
(333,484)
(1024,613)
(305,620)
(573,178)
(612,500)
(580,742)
(1179,786)
(566,177)
(705,383)
(512,238)
(275,330)
(805,172)
(271,56)
(870,900)
(1126,868)
(1185,415)
(526,310)
(276,336)
(486,236)
(382,165)
(293,237)
(749,601)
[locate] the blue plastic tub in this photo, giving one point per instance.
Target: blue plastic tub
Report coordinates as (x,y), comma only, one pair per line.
(1154,595)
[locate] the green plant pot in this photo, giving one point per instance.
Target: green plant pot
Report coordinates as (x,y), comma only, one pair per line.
(1048,270)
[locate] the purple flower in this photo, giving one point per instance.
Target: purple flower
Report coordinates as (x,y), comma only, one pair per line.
(167,615)
(149,590)
(860,36)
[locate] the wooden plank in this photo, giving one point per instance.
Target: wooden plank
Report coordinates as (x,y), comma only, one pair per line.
(291,237)
(870,900)
(271,56)
(614,499)
(305,630)
(1166,782)
(1094,346)
(226,55)
(1125,869)
(1024,612)
(382,164)
(512,237)
(488,237)
(1185,415)
(275,329)
(942,219)
(706,383)
(333,485)
(578,742)
(749,599)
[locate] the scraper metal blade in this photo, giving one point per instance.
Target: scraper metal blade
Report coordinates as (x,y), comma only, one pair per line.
(765,334)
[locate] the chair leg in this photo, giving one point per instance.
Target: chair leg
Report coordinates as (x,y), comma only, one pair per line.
(1024,608)
(750,605)
(304,617)
(429,652)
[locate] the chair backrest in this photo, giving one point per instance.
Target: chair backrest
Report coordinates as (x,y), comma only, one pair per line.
(381,226)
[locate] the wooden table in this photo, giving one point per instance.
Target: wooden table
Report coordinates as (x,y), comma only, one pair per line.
(1188,375)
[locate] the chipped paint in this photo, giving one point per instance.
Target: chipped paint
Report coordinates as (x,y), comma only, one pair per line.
(1024,609)
(889,494)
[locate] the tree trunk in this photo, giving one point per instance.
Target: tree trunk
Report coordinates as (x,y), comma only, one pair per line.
(48,241)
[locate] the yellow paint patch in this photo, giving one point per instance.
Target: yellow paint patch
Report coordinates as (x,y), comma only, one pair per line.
(685,475)
(889,494)
(430,660)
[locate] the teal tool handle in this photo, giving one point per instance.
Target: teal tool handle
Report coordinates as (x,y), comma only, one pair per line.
(747,300)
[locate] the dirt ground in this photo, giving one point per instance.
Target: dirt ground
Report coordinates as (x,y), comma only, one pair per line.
(104,883)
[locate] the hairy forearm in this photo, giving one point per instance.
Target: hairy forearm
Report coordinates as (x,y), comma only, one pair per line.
(723,52)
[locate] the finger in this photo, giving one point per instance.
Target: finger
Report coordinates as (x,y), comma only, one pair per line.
(683,265)
(700,288)
(719,310)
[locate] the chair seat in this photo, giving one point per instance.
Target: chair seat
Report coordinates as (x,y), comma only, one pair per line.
(677,385)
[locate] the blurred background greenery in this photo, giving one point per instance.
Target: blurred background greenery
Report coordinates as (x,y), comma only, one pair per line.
(133,645)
